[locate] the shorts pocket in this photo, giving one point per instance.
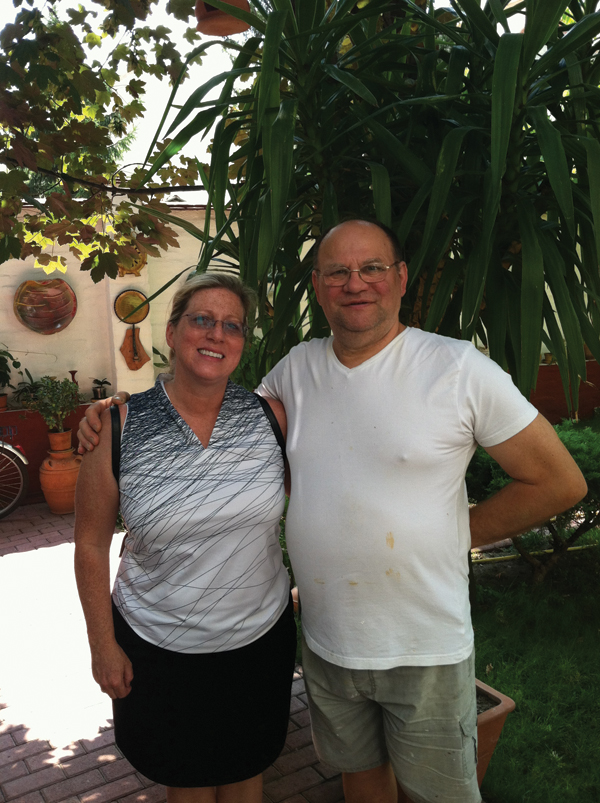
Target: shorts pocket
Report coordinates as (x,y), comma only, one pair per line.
(468,727)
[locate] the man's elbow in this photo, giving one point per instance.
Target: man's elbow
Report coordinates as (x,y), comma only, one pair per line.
(572,490)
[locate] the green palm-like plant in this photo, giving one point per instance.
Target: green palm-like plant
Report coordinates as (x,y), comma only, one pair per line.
(479,146)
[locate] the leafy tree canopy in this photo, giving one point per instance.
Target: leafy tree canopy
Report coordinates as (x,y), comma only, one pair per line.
(67,114)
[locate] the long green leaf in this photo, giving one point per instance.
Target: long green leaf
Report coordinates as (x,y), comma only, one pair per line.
(539,26)
(558,349)
(269,75)
(532,298)
(584,32)
(504,88)
(398,152)
(555,161)
(279,160)
(382,198)
(480,20)
(499,13)
(202,121)
(592,147)
(347,79)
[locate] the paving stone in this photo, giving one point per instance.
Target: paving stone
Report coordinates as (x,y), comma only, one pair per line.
(291,726)
(299,738)
(103,739)
(6,742)
(51,757)
(11,771)
(22,735)
(32,797)
(8,550)
(29,783)
(23,751)
(118,769)
(298,687)
(154,794)
(270,774)
(296,705)
(328,792)
(292,784)
(304,699)
(325,770)
(296,760)
(144,780)
(89,761)
(73,786)
(295,799)
(113,791)
(302,718)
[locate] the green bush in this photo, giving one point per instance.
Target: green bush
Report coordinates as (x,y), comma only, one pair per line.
(54,400)
(485,477)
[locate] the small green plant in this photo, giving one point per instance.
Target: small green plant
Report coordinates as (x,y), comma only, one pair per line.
(6,361)
(101,383)
(26,387)
(485,477)
(54,399)
(162,361)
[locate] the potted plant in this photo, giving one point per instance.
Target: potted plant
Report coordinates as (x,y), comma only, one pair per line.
(54,399)
(99,388)
(6,360)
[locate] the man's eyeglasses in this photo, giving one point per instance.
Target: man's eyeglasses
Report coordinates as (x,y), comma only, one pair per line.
(370,273)
(230,328)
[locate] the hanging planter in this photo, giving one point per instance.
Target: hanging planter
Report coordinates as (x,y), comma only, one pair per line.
(213,22)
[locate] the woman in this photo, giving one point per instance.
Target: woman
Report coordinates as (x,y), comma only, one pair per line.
(200,626)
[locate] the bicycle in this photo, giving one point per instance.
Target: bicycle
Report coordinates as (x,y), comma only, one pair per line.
(14,479)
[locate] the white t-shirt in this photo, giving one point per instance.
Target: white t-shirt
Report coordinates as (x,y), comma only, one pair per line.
(378,524)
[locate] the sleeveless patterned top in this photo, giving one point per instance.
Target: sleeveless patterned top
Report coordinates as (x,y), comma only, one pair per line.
(202,569)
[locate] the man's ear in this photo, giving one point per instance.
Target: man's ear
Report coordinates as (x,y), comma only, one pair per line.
(315,284)
(403,273)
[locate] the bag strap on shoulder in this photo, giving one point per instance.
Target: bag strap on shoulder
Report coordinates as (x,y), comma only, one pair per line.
(274,423)
(115,421)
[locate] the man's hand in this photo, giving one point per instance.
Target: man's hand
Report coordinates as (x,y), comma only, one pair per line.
(91,425)
(112,671)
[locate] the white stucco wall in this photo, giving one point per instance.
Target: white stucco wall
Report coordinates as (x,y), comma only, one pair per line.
(91,343)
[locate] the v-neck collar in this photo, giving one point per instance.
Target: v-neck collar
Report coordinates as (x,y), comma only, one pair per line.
(189,434)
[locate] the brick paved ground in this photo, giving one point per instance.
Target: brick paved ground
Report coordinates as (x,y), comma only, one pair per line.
(56,740)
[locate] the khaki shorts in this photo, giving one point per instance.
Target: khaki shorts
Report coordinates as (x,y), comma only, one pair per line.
(422,719)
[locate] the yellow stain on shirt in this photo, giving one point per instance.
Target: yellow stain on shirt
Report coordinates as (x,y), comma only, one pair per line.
(389,540)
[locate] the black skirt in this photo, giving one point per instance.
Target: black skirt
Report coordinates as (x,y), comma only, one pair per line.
(206,719)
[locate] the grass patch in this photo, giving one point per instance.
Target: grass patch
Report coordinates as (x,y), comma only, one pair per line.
(540,646)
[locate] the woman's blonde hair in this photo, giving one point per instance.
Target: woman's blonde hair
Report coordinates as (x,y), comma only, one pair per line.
(209,281)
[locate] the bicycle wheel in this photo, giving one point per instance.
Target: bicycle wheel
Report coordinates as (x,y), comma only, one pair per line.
(14,482)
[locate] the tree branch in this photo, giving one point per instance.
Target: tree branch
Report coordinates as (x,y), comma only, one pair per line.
(109,189)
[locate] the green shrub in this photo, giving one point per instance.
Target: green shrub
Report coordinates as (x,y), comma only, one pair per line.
(485,477)
(54,400)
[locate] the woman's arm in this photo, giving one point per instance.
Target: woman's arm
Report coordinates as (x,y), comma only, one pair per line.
(279,411)
(96,507)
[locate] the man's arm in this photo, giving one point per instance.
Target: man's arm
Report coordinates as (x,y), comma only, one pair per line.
(546,481)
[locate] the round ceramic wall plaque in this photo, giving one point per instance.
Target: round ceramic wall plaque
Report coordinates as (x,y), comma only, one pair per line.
(45,307)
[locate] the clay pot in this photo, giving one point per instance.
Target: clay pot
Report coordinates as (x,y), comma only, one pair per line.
(59,441)
(3,401)
(58,478)
(213,22)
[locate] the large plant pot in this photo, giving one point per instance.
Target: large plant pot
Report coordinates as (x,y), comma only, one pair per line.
(59,441)
(213,22)
(489,725)
(3,401)
(58,478)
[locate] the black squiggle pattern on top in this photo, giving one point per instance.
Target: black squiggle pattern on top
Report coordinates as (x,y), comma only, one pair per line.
(202,568)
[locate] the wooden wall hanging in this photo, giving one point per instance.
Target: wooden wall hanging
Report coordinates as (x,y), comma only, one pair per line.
(126,310)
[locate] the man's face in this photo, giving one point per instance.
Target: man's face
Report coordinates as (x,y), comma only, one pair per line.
(357,306)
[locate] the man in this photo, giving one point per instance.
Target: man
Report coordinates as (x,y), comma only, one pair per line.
(382,423)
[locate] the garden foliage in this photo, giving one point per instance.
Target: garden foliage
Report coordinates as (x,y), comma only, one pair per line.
(54,399)
(485,477)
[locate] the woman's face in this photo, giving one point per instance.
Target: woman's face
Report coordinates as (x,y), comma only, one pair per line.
(213,353)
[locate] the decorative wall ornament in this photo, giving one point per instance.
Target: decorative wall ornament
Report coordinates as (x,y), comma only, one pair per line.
(126,304)
(45,307)
(137,266)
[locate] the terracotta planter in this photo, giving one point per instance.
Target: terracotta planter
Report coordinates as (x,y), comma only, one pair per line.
(3,401)
(58,478)
(213,22)
(59,441)
(489,725)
